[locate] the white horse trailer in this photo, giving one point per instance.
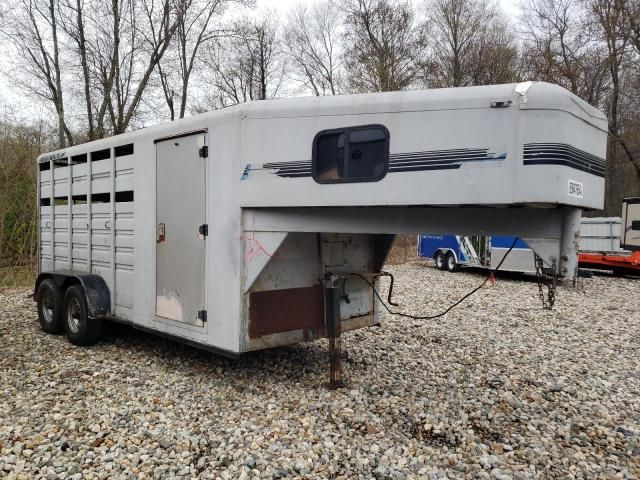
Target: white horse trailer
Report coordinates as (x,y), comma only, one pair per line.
(232,230)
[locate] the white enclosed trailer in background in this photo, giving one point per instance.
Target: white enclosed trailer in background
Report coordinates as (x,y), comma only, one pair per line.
(231,230)
(630,234)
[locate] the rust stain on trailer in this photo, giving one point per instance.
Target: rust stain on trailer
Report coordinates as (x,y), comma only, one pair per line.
(275,311)
(295,336)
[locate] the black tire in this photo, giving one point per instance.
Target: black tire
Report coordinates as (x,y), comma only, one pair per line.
(439,258)
(450,263)
(80,329)
(49,303)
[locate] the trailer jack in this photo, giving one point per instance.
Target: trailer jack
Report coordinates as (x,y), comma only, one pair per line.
(334,330)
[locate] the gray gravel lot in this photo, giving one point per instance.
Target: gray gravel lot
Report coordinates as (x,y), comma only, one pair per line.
(497,389)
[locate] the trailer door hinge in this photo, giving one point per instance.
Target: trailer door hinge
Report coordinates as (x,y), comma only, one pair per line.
(203,230)
(202,315)
(204,151)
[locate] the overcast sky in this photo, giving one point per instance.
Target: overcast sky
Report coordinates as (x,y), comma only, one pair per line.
(31,108)
(509,6)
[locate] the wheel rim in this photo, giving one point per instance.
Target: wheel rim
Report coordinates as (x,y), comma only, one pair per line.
(74,315)
(48,305)
(452,263)
(439,260)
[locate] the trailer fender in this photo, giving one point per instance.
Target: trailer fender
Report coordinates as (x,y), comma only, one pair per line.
(95,289)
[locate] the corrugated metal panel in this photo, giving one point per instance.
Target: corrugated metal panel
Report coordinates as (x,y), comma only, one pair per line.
(80,225)
(600,234)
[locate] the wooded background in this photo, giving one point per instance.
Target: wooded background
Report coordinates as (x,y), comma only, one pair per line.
(88,69)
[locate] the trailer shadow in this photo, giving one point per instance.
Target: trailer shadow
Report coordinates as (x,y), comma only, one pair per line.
(293,364)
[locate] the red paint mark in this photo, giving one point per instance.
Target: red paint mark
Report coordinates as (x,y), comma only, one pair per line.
(253,246)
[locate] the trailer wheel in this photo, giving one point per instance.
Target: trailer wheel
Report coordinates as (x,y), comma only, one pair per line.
(49,303)
(439,258)
(450,263)
(80,329)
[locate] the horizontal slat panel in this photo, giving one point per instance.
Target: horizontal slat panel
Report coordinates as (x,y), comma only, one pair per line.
(79,189)
(98,222)
(125,260)
(100,241)
(45,177)
(61,250)
(80,173)
(61,236)
(61,190)
(80,238)
(124,183)
(124,225)
(61,211)
(80,225)
(101,225)
(124,242)
(61,175)
(100,209)
(100,255)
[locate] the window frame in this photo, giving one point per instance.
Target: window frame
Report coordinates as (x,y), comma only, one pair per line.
(347,131)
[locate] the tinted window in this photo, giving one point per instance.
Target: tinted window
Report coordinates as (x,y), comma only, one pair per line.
(353,154)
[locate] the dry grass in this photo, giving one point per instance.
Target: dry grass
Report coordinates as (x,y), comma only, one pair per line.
(21,276)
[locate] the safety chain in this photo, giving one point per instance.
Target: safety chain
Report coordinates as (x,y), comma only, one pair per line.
(549,281)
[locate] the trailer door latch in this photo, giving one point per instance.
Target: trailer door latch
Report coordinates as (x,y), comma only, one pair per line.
(202,315)
(204,151)
(203,230)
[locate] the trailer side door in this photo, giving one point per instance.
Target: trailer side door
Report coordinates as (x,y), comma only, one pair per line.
(181,229)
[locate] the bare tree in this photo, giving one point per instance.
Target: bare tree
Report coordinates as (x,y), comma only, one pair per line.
(312,39)
(456,28)
(495,56)
(73,23)
(383,46)
(609,21)
(147,43)
(194,30)
(106,50)
(472,44)
(608,18)
(34,31)
(249,64)
(560,47)
(631,24)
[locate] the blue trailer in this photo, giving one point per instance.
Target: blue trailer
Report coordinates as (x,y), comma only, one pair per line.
(452,251)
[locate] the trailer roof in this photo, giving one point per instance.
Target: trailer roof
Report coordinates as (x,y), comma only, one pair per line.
(531,95)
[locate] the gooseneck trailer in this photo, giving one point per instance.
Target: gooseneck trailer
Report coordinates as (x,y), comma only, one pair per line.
(236,230)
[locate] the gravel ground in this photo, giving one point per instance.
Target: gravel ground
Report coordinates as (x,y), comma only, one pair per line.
(497,389)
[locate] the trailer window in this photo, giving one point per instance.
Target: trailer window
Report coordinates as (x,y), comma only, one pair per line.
(100,155)
(123,150)
(61,162)
(354,154)
(79,159)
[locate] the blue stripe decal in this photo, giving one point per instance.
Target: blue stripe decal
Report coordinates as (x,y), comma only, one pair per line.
(400,162)
(564,155)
